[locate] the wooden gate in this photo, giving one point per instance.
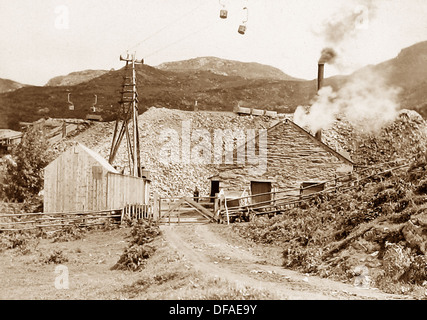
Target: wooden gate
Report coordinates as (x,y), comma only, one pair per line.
(185,210)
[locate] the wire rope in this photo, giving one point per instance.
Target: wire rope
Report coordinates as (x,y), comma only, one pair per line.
(166,27)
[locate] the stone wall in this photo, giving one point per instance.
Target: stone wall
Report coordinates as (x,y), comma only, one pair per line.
(293,157)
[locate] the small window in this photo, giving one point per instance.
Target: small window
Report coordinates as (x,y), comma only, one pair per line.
(261,191)
(311,187)
(97,172)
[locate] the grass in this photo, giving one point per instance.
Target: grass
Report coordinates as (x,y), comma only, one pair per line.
(30,273)
(168,276)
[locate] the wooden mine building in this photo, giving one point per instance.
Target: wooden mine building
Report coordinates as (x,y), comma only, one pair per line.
(82,180)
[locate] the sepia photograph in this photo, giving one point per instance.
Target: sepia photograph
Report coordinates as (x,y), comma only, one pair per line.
(212,156)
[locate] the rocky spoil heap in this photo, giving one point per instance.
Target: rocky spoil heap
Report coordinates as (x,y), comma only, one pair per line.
(401,139)
(182,177)
(168,179)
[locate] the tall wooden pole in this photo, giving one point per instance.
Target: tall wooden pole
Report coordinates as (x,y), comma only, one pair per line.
(129,117)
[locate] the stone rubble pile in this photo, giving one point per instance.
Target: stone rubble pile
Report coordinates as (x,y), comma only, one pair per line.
(183,176)
(399,140)
(168,179)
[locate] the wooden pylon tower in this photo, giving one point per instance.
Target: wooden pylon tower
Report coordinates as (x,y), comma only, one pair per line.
(127,119)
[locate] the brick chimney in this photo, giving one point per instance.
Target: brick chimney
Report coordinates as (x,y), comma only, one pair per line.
(320,75)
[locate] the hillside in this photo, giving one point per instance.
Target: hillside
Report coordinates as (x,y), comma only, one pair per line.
(158,88)
(247,70)
(216,84)
(408,71)
(7,85)
(74,78)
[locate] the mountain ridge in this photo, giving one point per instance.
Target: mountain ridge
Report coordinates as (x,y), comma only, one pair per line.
(161,87)
(7,85)
(75,77)
(227,67)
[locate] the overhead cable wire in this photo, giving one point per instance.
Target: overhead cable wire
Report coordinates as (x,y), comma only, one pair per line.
(179,40)
(167,26)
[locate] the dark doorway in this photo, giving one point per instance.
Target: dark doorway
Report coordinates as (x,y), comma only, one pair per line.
(258,187)
(214,189)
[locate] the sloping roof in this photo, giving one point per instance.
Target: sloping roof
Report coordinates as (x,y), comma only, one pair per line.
(9,134)
(103,162)
(320,143)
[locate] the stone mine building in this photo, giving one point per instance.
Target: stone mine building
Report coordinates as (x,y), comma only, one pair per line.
(293,159)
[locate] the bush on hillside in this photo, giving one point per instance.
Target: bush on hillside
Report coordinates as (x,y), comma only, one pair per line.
(380,224)
(134,258)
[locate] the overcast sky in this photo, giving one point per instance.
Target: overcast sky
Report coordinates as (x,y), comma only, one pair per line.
(40,39)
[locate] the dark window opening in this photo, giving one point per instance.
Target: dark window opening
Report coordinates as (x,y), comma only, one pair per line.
(311,187)
(261,191)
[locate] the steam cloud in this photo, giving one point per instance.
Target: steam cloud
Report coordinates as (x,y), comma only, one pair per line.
(366,101)
(346,22)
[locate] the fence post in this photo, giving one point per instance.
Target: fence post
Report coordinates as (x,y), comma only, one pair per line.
(155,206)
(216,206)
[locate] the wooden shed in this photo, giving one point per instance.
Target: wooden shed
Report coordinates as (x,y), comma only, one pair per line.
(9,138)
(82,180)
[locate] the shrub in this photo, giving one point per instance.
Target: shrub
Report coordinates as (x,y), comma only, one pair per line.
(134,258)
(55,257)
(416,273)
(68,233)
(422,187)
(22,241)
(24,173)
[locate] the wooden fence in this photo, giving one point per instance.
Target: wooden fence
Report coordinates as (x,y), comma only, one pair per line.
(280,201)
(137,211)
(32,221)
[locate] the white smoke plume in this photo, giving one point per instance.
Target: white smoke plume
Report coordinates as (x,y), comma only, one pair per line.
(345,23)
(366,101)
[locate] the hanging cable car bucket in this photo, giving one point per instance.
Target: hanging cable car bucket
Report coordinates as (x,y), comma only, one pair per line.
(223,13)
(70,104)
(242,27)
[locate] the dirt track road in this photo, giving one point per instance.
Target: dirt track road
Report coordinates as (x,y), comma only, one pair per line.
(209,253)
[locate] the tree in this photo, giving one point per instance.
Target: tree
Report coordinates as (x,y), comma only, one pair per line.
(24,172)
